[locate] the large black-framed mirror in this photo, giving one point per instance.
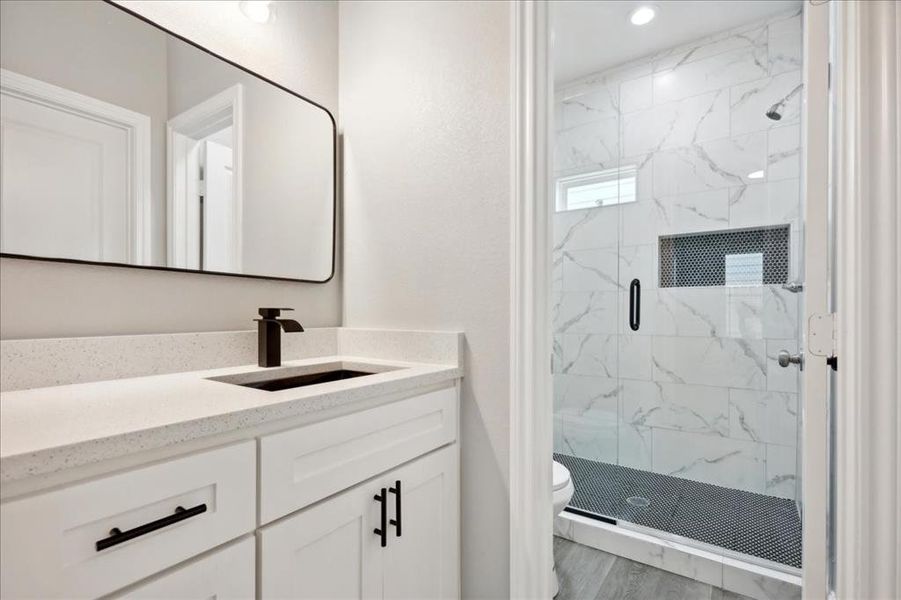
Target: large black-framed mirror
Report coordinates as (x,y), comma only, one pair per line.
(125,144)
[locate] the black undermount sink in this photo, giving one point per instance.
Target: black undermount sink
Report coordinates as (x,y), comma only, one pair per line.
(287,378)
(296,381)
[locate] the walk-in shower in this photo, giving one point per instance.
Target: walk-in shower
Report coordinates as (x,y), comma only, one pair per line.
(676,282)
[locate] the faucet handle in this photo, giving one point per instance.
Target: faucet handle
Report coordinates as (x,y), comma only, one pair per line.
(271,313)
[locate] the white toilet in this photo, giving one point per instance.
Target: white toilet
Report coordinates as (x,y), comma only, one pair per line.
(563,492)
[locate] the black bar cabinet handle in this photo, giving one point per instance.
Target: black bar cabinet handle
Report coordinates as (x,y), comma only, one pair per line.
(396,491)
(635,305)
(382,532)
(117,536)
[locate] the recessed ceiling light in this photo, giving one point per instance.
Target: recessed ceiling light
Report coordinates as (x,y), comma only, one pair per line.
(643,15)
(756,175)
(258,11)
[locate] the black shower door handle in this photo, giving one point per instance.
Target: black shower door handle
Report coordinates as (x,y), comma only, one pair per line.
(635,305)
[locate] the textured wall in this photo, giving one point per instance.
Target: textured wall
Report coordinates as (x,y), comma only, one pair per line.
(696,391)
(425,107)
(300,50)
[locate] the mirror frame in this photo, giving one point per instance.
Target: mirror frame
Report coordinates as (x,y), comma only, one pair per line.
(220,273)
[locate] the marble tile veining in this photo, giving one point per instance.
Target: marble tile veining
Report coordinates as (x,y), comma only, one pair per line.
(722,163)
(765,204)
(731,463)
(716,72)
(763,416)
(585,312)
(680,407)
(692,120)
(591,354)
(694,312)
(590,270)
(723,362)
(594,145)
(679,123)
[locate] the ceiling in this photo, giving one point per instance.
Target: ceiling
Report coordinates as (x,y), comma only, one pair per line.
(594,35)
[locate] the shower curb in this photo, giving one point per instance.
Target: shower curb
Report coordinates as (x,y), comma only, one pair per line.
(738,576)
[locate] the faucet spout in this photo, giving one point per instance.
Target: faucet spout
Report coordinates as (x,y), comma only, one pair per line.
(290,325)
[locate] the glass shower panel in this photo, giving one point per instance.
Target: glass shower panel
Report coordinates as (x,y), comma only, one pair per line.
(590,189)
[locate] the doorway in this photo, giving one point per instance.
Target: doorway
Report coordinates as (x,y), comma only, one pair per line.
(205,184)
(678,282)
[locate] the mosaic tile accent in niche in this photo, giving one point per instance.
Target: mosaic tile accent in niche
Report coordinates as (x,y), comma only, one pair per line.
(742,257)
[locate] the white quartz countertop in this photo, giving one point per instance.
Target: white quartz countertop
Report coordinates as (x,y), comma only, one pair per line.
(44,430)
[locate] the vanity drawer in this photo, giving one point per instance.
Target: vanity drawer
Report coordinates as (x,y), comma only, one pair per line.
(62,544)
(300,466)
(227,574)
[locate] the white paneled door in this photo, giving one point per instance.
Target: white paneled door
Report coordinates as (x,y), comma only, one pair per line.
(76,165)
(220,218)
(67,172)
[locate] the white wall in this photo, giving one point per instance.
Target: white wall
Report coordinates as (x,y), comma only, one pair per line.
(300,50)
(425,111)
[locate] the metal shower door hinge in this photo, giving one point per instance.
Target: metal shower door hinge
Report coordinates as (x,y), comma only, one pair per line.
(821,337)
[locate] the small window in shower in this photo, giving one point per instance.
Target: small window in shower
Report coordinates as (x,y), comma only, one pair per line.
(743,257)
(597,188)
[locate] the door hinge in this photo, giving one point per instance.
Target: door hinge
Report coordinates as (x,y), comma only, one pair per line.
(821,338)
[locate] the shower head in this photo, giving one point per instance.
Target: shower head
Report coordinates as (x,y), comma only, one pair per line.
(775,111)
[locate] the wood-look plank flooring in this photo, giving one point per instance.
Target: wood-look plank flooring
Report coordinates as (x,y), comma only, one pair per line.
(589,574)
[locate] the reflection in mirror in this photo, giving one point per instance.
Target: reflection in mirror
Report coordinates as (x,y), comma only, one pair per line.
(124,144)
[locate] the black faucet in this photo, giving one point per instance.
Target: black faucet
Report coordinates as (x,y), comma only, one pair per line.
(270,335)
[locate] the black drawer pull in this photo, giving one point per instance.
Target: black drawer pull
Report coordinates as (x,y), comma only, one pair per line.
(635,305)
(396,491)
(117,536)
(382,532)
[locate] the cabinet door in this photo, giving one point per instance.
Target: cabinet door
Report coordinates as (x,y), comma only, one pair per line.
(227,574)
(326,551)
(424,561)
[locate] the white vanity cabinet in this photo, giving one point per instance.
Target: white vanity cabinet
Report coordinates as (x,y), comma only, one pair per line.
(394,536)
(278,514)
(226,574)
(98,536)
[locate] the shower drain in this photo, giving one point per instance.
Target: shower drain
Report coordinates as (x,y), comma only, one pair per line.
(639,501)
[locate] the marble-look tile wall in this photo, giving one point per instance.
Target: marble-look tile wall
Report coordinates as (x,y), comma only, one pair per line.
(696,392)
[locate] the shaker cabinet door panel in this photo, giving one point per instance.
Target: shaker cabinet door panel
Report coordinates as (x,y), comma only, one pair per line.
(423,562)
(326,551)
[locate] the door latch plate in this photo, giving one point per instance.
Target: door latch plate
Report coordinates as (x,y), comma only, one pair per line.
(821,334)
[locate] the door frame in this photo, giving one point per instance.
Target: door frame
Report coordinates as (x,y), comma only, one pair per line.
(867,411)
(137,129)
(183,133)
(531,430)
(816,226)
(531,406)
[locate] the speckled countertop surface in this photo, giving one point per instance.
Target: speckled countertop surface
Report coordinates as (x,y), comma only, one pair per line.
(44,430)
